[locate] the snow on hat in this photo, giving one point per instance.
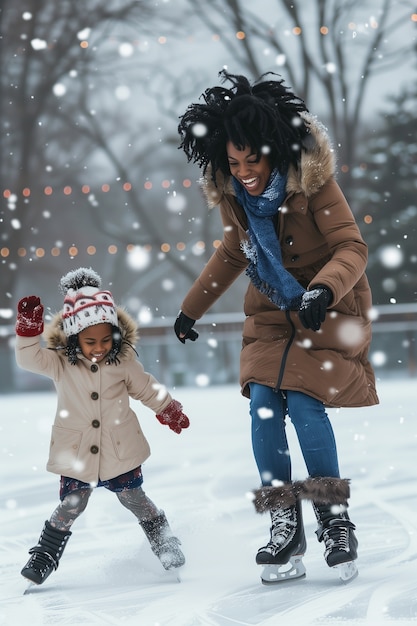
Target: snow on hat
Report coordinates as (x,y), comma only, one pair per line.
(85,303)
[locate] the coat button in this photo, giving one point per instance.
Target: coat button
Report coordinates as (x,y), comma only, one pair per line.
(94,449)
(94,367)
(95,424)
(94,395)
(295,257)
(289,240)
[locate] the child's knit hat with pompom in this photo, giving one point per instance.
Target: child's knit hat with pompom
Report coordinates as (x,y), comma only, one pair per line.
(85,303)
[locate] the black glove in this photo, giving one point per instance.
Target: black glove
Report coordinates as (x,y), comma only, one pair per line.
(184,326)
(313,307)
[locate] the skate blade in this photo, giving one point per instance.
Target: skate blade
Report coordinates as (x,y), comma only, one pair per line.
(276,574)
(176,577)
(347,571)
(172,575)
(29,587)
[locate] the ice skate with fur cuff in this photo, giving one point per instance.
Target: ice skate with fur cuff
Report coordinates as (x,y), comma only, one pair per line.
(282,557)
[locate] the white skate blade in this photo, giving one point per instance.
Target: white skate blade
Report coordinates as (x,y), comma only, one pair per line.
(172,575)
(346,571)
(275,574)
(31,585)
(176,577)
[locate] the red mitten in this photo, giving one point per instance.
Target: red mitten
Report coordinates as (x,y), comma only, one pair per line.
(29,321)
(173,417)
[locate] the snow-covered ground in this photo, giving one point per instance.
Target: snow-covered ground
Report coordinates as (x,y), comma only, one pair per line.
(201,478)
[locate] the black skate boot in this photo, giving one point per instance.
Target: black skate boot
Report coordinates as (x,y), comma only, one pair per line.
(337,532)
(45,556)
(282,556)
(163,543)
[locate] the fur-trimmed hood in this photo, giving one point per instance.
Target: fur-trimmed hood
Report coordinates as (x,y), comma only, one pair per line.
(317,165)
(55,337)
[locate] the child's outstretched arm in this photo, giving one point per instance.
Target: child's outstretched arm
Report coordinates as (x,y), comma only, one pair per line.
(29,321)
(173,417)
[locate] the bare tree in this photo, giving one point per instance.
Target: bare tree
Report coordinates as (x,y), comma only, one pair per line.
(61,64)
(44,47)
(329,51)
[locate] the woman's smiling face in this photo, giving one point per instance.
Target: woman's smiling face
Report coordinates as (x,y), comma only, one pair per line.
(252,173)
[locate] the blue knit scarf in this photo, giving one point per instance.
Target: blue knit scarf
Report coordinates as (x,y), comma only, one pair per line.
(263,249)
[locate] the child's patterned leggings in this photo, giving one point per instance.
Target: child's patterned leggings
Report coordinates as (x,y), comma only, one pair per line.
(75,503)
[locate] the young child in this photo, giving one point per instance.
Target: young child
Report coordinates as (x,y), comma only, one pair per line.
(96,438)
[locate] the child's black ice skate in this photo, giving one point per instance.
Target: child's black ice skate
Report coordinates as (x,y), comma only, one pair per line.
(337,532)
(46,554)
(163,543)
(282,556)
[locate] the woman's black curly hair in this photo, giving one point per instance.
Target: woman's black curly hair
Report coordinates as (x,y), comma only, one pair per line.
(264,116)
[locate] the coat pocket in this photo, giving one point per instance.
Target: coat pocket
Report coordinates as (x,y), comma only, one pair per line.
(129,442)
(64,448)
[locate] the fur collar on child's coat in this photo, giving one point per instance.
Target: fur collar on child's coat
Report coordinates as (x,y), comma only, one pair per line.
(56,339)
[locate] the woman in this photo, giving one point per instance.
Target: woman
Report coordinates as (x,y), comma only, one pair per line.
(268,165)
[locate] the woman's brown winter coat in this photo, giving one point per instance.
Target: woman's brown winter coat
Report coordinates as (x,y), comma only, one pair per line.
(96,435)
(321,245)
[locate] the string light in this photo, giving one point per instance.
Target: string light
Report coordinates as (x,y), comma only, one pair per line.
(91,249)
(105,188)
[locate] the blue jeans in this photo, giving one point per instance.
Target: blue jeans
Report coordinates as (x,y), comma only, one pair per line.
(268,409)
